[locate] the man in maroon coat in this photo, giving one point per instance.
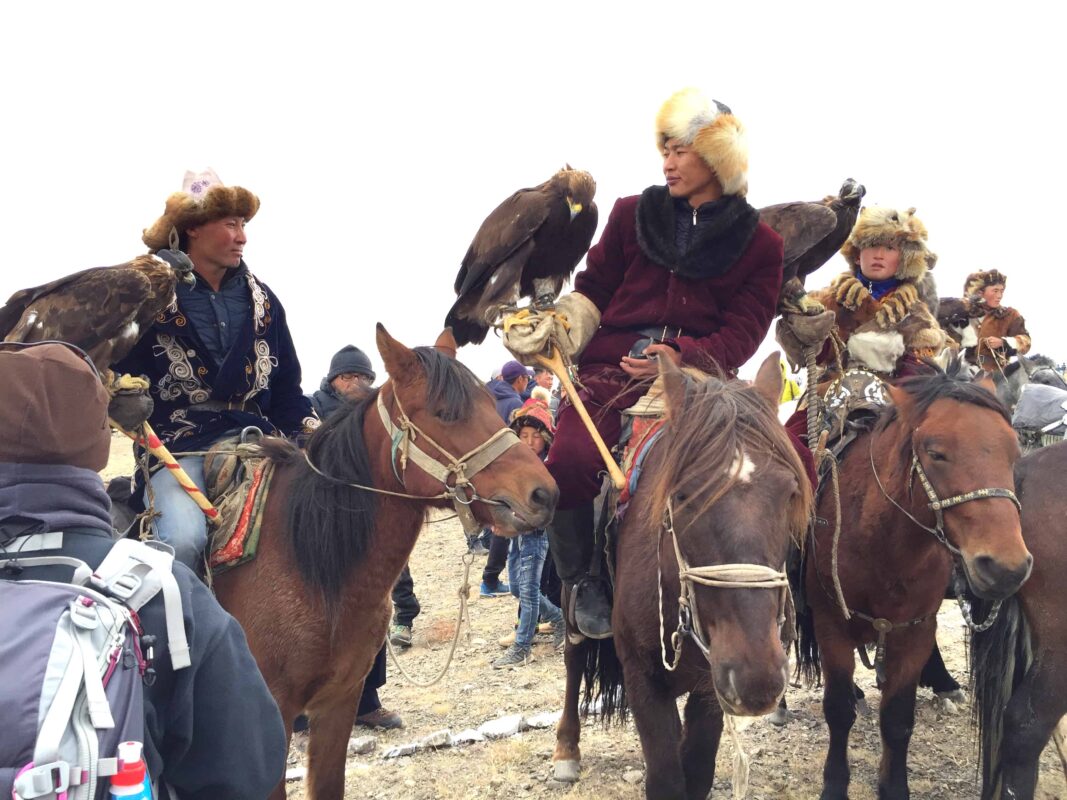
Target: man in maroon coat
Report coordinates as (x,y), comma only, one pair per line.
(684,271)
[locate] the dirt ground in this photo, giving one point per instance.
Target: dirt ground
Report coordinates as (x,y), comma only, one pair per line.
(785,762)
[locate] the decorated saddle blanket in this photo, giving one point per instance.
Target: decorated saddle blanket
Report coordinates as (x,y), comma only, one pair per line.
(241,504)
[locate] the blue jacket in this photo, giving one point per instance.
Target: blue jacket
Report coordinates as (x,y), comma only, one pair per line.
(260,367)
(507,398)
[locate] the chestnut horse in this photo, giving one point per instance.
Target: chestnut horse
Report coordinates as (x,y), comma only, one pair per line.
(722,495)
(314,603)
(1019,665)
(904,516)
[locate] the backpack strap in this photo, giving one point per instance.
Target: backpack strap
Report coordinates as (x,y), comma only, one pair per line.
(134,572)
(82,571)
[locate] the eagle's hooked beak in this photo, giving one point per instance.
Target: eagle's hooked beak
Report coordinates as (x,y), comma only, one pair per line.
(576,208)
(188,278)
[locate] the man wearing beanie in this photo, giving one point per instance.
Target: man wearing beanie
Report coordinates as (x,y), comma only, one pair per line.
(350,372)
(212,729)
(221,359)
(686,271)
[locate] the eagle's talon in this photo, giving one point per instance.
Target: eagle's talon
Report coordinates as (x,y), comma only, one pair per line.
(129,384)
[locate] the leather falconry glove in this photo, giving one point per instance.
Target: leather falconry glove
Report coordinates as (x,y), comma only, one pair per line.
(570,325)
(798,333)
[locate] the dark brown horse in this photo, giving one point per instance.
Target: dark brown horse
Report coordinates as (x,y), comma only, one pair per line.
(904,516)
(722,494)
(315,601)
(1020,663)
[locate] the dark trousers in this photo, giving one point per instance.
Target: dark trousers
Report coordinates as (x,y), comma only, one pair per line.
(405,604)
(496,561)
(369,701)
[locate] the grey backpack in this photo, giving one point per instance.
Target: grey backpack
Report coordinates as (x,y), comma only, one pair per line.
(73,661)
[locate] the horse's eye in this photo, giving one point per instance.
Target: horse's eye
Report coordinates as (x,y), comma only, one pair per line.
(680,497)
(936,455)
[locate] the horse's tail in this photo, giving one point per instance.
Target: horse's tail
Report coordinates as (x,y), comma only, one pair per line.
(602,677)
(999,657)
(809,667)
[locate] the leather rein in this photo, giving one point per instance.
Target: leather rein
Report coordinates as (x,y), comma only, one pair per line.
(455,474)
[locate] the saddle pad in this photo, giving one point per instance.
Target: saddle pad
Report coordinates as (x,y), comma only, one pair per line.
(644,433)
(236,537)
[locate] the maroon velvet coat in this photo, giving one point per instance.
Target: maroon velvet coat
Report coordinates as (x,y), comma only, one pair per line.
(723,319)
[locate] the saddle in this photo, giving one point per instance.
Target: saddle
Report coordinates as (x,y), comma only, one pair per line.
(237,479)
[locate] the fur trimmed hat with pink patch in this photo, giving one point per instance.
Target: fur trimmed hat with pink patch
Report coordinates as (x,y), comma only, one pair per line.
(203,198)
(712,130)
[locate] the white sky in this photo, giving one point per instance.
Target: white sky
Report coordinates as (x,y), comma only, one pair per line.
(378,136)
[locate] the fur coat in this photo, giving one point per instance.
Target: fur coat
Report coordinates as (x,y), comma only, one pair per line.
(1004,323)
(880,335)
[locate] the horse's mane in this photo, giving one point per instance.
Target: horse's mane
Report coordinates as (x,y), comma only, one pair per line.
(718,419)
(954,384)
(330,524)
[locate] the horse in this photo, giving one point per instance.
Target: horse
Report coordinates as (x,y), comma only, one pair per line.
(913,499)
(340,522)
(722,489)
(1034,369)
(1019,664)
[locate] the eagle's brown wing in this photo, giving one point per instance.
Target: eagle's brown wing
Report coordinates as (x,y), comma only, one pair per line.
(96,309)
(802,226)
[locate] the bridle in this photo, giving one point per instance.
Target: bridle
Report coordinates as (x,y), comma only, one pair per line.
(455,475)
(719,576)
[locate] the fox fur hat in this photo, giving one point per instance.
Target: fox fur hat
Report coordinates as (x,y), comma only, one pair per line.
(203,199)
(712,130)
(900,229)
(977,282)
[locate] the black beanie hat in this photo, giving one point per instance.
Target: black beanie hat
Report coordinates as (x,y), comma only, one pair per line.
(350,359)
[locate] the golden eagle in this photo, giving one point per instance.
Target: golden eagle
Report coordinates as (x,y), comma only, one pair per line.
(527,247)
(812,234)
(102,310)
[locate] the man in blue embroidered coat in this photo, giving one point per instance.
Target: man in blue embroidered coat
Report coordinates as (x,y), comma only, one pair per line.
(220,358)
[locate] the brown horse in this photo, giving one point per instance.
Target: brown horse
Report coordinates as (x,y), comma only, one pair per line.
(904,516)
(315,601)
(722,494)
(1019,665)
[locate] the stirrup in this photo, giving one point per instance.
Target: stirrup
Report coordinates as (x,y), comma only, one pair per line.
(589,608)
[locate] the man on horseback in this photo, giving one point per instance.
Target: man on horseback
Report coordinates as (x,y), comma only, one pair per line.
(876,318)
(221,359)
(684,271)
(1001,330)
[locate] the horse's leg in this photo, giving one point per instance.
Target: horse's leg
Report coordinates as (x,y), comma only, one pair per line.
(839,709)
(660,731)
(567,759)
(700,742)
(331,722)
(1031,716)
(905,657)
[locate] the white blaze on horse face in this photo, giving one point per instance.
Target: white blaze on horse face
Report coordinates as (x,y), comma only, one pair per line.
(743,467)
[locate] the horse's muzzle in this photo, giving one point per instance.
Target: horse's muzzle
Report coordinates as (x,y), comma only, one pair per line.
(749,692)
(990,579)
(534,513)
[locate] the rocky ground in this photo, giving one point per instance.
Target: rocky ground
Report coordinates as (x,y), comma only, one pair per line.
(785,762)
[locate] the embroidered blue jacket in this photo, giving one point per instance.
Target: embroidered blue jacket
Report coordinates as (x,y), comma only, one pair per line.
(260,367)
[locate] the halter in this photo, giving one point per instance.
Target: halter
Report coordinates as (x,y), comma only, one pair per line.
(719,576)
(461,492)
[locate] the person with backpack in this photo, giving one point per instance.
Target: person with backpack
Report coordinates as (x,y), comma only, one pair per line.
(146,651)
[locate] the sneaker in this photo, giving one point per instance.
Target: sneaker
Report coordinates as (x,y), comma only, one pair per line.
(400,635)
(546,627)
(380,718)
(477,548)
(507,640)
(495,590)
(514,656)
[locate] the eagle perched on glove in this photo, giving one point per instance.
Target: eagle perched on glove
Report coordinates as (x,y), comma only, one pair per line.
(527,247)
(102,310)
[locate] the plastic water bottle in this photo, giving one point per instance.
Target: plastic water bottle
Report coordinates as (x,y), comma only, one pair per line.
(132,781)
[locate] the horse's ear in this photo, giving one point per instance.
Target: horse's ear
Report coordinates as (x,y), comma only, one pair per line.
(986,382)
(400,362)
(446,343)
(673,384)
(1027,364)
(901,399)
(769,379)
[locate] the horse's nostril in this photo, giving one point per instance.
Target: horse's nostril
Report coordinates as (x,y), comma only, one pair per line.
(542,497)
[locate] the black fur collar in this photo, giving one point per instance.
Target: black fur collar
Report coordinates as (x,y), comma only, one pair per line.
(724,229)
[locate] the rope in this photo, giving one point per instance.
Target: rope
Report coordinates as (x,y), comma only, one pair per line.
(836,490)
(319,472)
(464,595)
(741,759)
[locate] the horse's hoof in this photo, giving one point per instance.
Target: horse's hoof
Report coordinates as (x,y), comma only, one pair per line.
(779,717)
(956,696)
(566,770)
